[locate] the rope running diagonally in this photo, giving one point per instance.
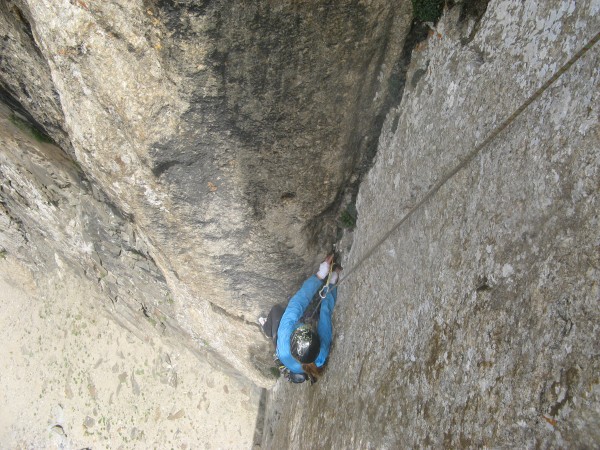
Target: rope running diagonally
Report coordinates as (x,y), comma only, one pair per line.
(473,153)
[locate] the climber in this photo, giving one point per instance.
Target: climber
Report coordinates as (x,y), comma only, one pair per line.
(301,351)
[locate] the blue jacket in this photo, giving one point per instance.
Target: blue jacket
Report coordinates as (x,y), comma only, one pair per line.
(290,321)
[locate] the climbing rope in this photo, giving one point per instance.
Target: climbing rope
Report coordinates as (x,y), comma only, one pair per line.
(473,153)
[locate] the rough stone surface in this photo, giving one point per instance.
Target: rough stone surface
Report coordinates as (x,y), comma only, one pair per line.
(225,136)
(25,78)
(73,378)
(476,323)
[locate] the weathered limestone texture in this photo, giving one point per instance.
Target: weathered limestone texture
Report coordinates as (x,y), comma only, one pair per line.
(476,324)
(73,378)
(224,137)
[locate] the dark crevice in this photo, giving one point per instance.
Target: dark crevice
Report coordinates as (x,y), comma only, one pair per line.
(396,84)
(30,95)
(26,26)
(145,311)
(260,420)
(417,75)
(174,13)
(10,100)
(224,312)
(86,184)
(418,33)
(472,10)
(163,166)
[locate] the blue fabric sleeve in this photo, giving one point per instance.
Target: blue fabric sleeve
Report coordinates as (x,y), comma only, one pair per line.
(289,321)
(324,328)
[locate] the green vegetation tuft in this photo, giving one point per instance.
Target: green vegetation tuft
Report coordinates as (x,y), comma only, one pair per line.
(347,218)
(29,129)
(428,10)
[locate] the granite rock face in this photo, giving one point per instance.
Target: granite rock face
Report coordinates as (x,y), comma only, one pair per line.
(207,149)
(475,324)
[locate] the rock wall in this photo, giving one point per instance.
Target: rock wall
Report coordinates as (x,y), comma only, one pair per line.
(207,148)
(476,323)
(73,378)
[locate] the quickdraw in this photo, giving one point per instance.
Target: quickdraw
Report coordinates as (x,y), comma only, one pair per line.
(325,289)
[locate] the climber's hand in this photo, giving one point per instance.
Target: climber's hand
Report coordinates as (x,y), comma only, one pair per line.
(335,275)
(324,268)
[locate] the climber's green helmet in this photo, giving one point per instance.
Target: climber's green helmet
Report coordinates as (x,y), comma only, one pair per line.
(305,344)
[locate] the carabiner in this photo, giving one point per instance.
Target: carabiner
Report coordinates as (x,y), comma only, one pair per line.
(324,288)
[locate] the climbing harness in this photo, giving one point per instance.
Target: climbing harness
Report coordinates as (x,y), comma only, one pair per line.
(473,153)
